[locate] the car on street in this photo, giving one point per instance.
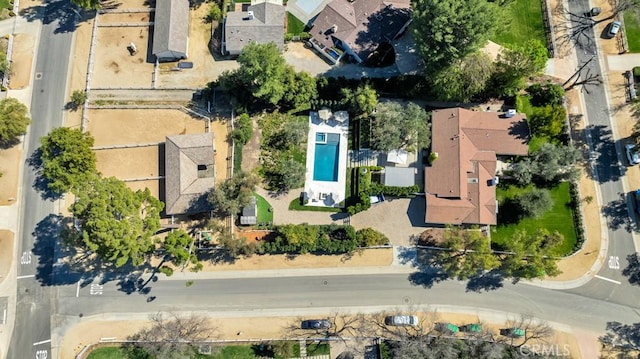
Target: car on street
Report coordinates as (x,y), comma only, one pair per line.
(614,27)
(315,324)
(401,320)
(632,154)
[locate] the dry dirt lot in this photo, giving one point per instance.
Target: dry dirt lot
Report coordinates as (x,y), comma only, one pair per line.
(10,168)
(79,69)
(114,67)
(21,61)
(206,68)
(127,126)
(129,163)
(115,18)
(6,254)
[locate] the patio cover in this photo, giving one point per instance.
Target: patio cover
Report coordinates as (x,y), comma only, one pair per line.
(397,157)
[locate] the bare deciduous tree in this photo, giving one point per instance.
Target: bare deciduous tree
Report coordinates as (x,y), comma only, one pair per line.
(172,335)
(534,331)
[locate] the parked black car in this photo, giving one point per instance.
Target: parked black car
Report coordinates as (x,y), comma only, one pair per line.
(315,324)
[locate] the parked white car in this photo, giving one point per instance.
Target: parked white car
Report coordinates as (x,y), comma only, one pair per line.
(632,154)
(401,320)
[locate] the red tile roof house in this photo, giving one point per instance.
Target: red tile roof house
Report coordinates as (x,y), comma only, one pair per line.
(357,27)
(459,185)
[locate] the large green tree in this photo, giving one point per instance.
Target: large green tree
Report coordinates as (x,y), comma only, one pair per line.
(228,197)
(447,30)
(464,78)
(531,255)
(115,222)
(14,119)
(469,252)
(300,89)
(361,101)
(551,163)
(67,158)
(515,64)
(395,126)
(179,250)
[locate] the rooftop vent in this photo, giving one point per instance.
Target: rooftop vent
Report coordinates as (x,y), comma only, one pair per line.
(334,28)
(249,16)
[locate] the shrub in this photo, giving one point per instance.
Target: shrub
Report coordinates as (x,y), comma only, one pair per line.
(394,191)
(577,215)
(548,94)
(215,13)
(243,130)
(368,237)
(288,37)
(304,238)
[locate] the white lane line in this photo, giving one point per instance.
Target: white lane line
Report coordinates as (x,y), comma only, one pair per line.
(78,290)
(42,342)
(4,317)
(607,279)
(26,276)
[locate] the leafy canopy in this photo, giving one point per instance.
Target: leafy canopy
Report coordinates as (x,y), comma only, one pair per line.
(116,222)
(447,30)
(88,4)
(469,253)
(395,126)
(230,196)
(178,247)
(14,119)
(464,78)
(67,158)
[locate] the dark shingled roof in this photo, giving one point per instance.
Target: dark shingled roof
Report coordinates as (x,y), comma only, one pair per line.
(361,24)
(189,166)
(171,29)
(266,26)
(458,184)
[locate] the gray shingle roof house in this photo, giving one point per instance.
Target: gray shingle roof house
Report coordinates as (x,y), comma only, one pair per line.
(262,23)
(357,27)
(250,212)
(189,172)
(171,30)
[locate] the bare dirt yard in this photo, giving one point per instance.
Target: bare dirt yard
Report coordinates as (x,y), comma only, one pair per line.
(133,126)
(114,66)
(206,66)
(10,168)
(21,61)
(6,254)
(130,163)
(117,18)
(129,126)
(79,69)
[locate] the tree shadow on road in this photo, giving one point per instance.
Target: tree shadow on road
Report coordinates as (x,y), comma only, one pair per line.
(632,271)
(41,184)
(617,214)
(67,15)
(604,153)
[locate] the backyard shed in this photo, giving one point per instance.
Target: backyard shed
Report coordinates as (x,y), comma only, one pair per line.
(250,213)
(171,30)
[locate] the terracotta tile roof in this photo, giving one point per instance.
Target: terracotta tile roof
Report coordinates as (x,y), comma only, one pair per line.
(362,24)
(458,185)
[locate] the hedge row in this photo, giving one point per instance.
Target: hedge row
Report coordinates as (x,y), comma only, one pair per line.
(394,191)
(577,215)
(322,239)
(363,181)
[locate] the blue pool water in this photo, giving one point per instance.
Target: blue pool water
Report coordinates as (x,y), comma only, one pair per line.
(325,162)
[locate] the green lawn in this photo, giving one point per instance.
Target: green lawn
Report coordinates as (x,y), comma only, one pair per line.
(559,218)
(318,349)
(524,22)
(632,29)
(234,352)
(523,105)
(295,205)
(107,353)
(6,4)
(265,215)
(294,25)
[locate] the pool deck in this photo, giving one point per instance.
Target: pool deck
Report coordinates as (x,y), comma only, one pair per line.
(319,193)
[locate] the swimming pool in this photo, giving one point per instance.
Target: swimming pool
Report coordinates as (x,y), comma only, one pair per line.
(325,162)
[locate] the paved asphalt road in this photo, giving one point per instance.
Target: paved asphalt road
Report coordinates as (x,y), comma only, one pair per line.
(610,165)
(308,294)
(34,301)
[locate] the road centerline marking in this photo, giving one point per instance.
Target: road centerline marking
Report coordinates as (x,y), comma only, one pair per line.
(78,290)
(25,276)
(42,342)
(607,279)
